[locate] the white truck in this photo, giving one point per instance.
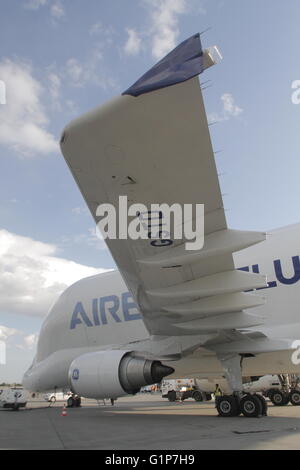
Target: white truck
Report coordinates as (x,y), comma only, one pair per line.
(53,397)
(288,390)
(250,384)
(278,388)
(68,397)
(14,398)
(181,389)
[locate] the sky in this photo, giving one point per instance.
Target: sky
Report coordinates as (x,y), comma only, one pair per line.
(59,59)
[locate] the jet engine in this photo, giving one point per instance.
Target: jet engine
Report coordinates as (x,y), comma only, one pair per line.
(114,373)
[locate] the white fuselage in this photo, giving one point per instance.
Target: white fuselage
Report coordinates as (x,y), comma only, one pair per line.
(98,313)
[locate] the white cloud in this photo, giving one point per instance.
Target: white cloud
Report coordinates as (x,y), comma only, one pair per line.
(57,10)
(133,43)
(31,276)
(76,72)
(6,332)
(55,7)
(30,341)
(23,120)
(17,338)
(80,210)
(71,107)
(99,29)
(55,85)
(92,238)
(96,28)
(92,70)
(230,109)
(35,4)
(55,89)
(165,30)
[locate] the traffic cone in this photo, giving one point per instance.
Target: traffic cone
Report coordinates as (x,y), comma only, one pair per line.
(64,411)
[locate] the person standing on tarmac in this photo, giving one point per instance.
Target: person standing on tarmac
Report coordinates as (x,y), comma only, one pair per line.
(217,393)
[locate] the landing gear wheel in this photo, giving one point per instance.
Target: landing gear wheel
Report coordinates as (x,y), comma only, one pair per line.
(172,396)
(295,397)
(251,406)
(279,398)
(264,404)
(198,396)
(227,406)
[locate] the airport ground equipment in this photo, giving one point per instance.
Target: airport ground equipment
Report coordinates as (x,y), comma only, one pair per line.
(288,392)
(182,389)
(14,398)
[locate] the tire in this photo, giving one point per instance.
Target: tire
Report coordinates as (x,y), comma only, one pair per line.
(70,402)
(197,396)
(172,396)
(264,404)
(279,398)
(78,402)
(295,397)
(270,393)
(184,395)
(251,406)
(227,406)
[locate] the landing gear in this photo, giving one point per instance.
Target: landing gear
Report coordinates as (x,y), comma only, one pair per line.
(263,404)
(251,406)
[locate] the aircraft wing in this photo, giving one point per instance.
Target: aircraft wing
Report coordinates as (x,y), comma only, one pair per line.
(152,144)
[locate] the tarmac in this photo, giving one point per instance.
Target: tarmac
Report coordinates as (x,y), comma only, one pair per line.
(148,422)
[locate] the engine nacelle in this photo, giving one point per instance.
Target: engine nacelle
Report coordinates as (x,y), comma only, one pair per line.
(112,374)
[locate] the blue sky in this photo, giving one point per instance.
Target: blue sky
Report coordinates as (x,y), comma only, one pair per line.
(60,58)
